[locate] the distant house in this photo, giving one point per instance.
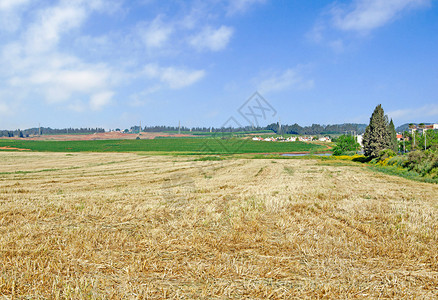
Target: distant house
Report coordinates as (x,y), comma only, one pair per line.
(426,127)
(432,126)
(360,139)
(324,139)
(305,139)
(399,137)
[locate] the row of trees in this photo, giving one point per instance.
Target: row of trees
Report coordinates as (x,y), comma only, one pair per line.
(48,130)
(197,129)
(316,129)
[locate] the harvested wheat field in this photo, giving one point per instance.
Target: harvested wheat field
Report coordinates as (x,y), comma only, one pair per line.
(127,226)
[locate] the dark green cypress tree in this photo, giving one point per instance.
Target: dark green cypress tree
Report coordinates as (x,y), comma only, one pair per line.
(393,145)
(376,137)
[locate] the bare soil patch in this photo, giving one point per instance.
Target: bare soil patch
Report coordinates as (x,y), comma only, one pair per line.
(13,148)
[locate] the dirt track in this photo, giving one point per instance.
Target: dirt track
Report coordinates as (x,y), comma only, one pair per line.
(13,148)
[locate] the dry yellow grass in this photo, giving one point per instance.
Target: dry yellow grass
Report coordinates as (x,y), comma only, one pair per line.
(125,226)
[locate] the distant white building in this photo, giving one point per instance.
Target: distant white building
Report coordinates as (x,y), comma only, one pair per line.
(360,139)
(324,139)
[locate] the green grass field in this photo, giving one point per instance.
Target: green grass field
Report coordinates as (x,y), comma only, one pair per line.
(186,146)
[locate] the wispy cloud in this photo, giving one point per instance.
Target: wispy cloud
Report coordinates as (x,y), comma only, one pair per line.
(156,33)
(416,114)
(10,19)
(77,106)
(288,79)
(175,78)
(366,15)
(360,17)
(7,5)
(52,22)
(240,6)
(100,100)
(212,39)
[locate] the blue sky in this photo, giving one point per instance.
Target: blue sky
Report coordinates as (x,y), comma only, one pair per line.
(114,63)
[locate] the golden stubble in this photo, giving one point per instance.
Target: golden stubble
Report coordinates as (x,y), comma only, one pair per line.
(128,226)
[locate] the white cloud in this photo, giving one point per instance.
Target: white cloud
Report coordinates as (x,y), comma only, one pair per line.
(59,85)
(142,98)
(7,5)
(74,80)
(289,79)
(178,78)
(10,19)
(212,39)
(240,6)
(45,34)
(366,15)
(46,55)
(100,100)
(358,16)
(175,78)
(156,34)
(316,34)
(34,63)
(415,114)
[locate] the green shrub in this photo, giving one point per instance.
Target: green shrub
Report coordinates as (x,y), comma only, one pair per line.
(398,161)
(415,157)
(345,144)
(386,153)
(362,159)
(423,163)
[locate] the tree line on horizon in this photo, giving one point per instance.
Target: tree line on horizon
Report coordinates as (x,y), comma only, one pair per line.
(314,129)
(317,129)
(48,131)
(164,128)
